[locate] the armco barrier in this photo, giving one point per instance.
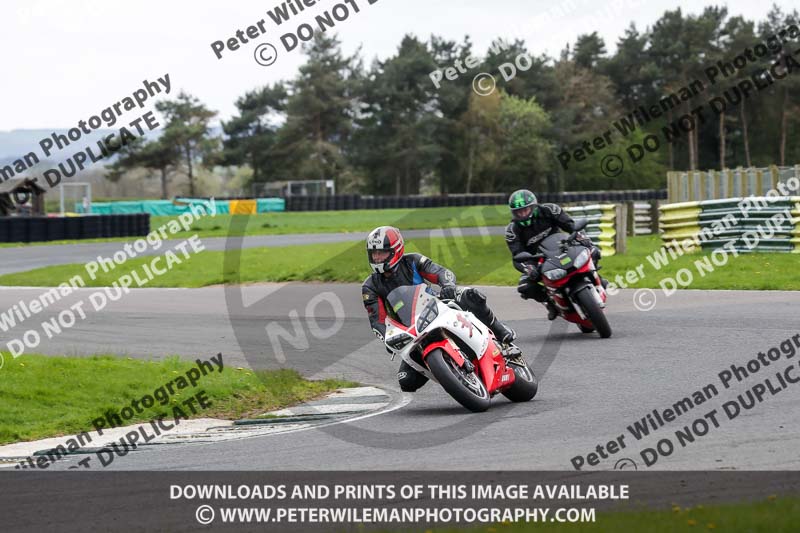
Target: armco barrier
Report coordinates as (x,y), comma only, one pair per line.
(643,219)
(352,201)
(41,229)
(602,227)
(730,223)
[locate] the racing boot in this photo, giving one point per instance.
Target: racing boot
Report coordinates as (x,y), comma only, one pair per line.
(506,335)
(552,312)
(511,352)
(503,333)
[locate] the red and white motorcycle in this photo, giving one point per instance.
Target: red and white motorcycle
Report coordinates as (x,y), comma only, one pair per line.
(453,348)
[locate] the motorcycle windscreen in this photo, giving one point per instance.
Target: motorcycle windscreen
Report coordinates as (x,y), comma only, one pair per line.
(551,246)
(401,303)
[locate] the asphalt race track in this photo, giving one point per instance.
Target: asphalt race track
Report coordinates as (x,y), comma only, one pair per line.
(656,358)
(22,258)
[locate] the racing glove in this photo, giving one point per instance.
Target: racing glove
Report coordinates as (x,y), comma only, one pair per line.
(532,271)
(584,239)
(448,292)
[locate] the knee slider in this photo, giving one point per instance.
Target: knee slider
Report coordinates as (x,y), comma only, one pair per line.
(408,382)
(407,387)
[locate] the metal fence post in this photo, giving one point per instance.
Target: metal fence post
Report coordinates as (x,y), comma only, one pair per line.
(630,208)
(731,189)
(621,219)
(673,185)
(759,183)
(655,215)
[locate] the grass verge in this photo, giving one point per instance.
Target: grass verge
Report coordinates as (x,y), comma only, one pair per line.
(475,260)
(768,516)
(359,221)
(51,396)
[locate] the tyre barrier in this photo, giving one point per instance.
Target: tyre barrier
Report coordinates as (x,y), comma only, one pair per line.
(353,201)
(602,226)
(759,224)
(42,229)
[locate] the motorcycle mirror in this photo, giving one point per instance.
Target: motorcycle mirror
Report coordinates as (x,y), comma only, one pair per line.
(581,223)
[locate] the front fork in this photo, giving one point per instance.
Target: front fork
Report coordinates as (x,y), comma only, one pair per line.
(598,292)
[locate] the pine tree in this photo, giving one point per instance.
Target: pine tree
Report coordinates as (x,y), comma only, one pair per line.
(312,144)
(252,134)
(187,127)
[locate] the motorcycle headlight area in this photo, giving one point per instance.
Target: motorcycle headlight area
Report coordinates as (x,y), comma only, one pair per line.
(397,342)
(427,316)
(555,274)
(582,259)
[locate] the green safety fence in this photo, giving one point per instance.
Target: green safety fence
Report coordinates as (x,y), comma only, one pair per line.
(176,207)
(755,224)
(602,227)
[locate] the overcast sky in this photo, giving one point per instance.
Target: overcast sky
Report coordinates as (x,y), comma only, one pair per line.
(65,60)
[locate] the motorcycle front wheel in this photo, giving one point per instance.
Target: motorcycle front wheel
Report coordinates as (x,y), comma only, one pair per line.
(593,312)
(465,387)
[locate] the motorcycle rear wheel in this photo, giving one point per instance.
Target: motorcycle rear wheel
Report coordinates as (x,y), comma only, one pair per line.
(525,384)
(466,389)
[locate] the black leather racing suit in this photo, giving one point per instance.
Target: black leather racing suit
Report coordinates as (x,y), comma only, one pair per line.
(415,269)
(550,219)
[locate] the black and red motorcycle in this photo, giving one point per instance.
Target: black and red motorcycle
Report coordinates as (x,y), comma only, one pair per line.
(571,280)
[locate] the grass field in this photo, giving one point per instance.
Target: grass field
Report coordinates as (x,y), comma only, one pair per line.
(772,515)
(475,260)
(52,396)
(359,221)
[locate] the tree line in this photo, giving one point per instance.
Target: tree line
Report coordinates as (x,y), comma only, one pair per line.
(387,129)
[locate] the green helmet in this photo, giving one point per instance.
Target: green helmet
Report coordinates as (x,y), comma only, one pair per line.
(523,207)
